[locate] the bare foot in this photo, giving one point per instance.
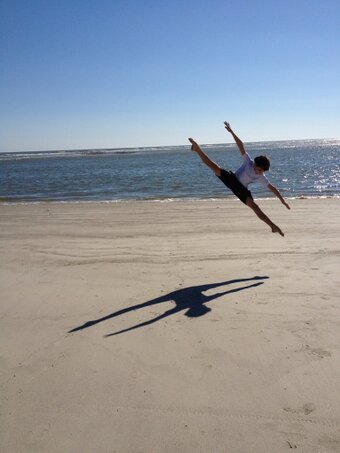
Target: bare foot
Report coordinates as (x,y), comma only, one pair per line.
(276,229)
(194,145)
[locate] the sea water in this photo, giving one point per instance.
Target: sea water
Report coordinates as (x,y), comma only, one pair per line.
(303,168)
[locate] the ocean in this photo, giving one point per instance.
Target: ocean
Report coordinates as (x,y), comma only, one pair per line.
(299,168)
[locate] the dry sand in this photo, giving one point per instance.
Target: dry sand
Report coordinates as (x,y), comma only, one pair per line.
(258,371)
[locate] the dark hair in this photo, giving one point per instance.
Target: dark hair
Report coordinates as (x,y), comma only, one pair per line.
(263,162)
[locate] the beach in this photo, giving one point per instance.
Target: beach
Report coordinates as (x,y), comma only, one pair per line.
(180,326)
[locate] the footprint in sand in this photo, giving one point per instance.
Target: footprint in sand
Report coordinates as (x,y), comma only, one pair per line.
(319,352)
(306,409)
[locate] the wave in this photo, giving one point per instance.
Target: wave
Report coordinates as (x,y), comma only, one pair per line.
(281,144)
(62,154)
(12,202)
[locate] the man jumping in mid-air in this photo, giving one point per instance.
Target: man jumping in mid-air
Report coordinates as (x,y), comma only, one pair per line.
(250,172)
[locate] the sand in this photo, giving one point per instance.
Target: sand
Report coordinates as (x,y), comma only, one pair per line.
(195,329)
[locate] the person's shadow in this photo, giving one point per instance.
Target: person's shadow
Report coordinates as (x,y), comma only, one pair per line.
(191,299)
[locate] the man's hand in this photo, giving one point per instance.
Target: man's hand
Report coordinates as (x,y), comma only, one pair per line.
(286,204)
(237,140)
(194,145)
(227,126)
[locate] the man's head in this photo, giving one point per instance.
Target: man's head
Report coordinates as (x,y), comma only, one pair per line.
(262,164)
(197,310)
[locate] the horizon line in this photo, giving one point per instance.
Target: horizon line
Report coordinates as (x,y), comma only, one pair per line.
(164,146)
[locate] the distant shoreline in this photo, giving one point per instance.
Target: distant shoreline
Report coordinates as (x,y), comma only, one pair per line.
(133,149)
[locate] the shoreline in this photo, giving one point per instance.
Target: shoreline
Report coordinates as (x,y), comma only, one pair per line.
(10,202)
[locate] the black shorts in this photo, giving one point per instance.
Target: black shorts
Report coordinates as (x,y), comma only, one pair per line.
(230,180)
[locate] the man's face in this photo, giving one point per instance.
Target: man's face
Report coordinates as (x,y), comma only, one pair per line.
(258,170)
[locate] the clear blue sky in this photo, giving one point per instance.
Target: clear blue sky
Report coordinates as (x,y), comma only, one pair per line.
(120,73)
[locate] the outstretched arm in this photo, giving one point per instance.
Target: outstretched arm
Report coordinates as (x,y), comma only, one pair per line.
(149,303)
(237,140)
(277,193)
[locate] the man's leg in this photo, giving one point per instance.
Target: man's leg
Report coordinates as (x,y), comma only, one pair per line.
(261,215)
(205,159)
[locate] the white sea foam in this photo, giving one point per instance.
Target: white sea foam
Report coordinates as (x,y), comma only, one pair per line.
(163,200)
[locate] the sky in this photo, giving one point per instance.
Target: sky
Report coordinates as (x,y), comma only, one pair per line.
(78,74)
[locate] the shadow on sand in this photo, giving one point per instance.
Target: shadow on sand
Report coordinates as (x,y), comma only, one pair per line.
(190,299)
